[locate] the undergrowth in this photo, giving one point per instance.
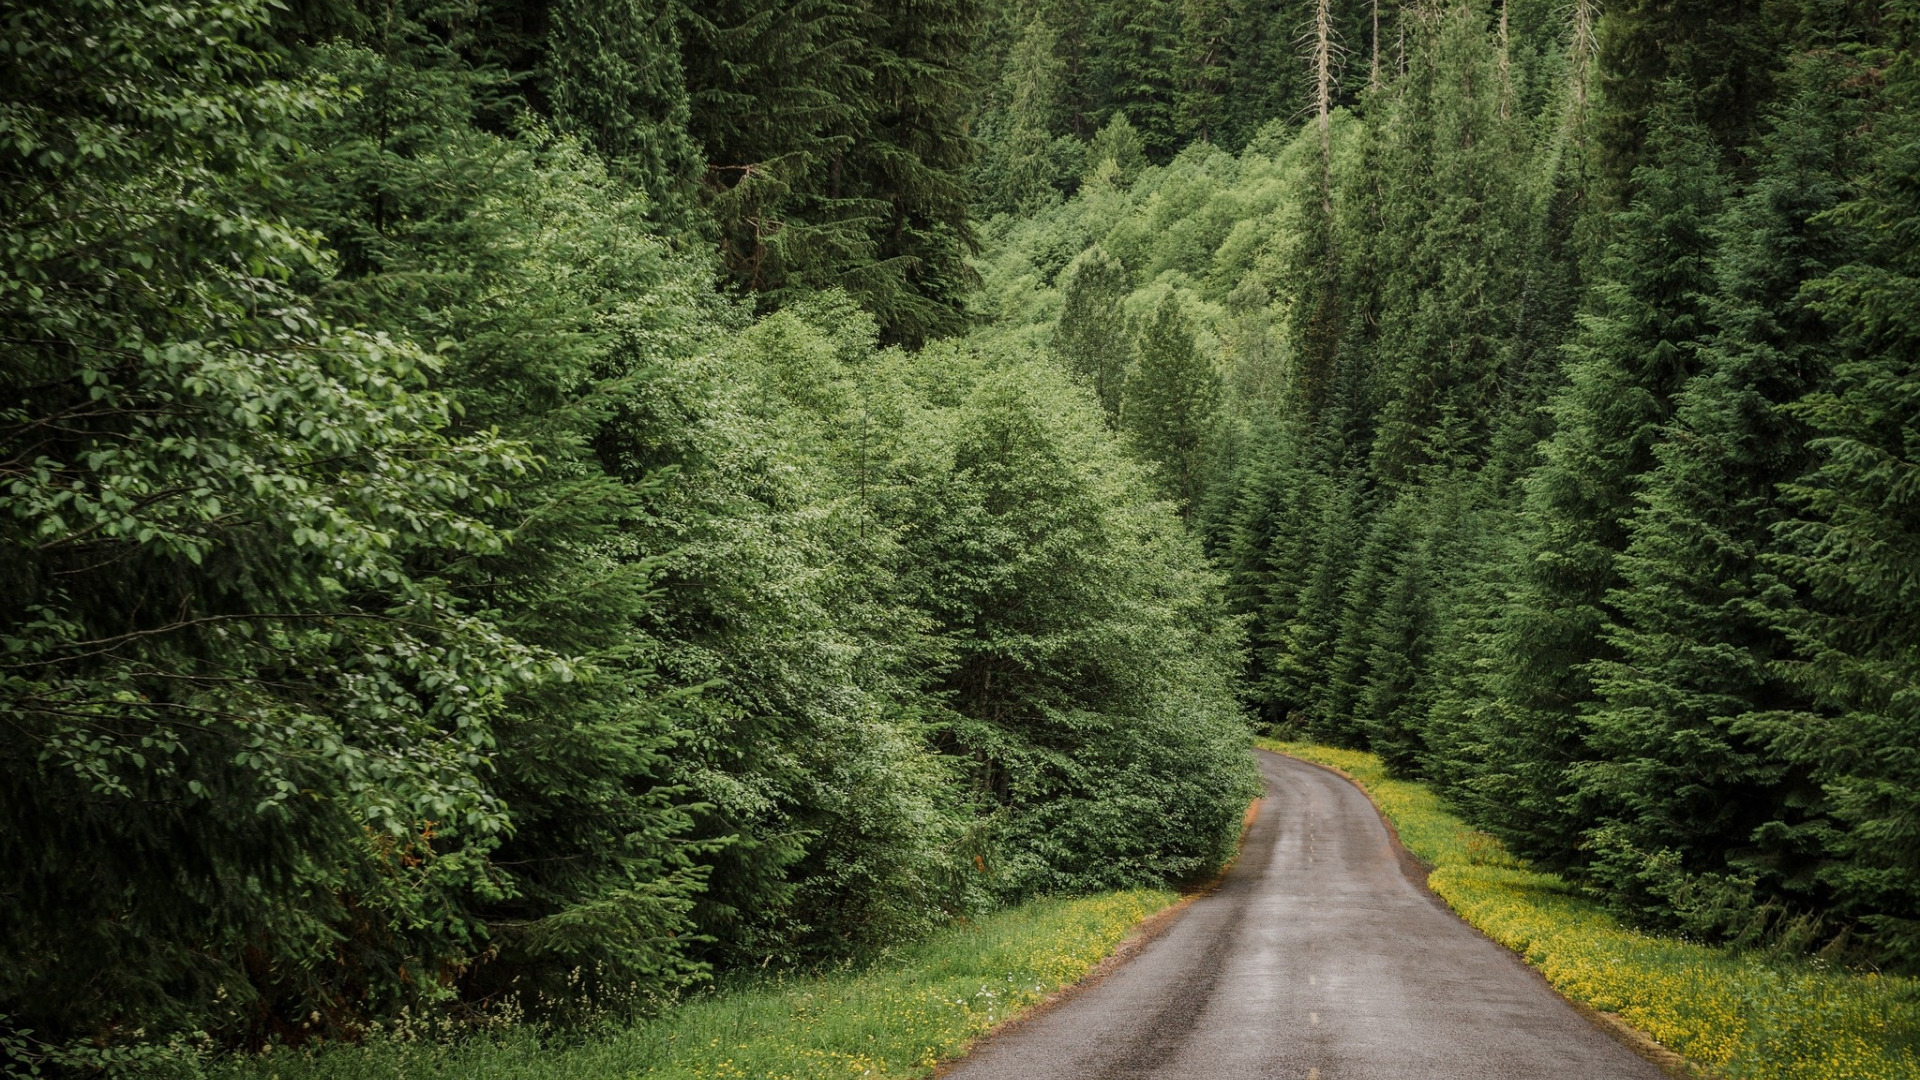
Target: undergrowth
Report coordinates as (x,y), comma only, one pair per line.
(1739,1015)
(893,1019)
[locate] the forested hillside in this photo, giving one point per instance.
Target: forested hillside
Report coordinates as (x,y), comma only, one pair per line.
(527,507)
(431,588)
(1564,446)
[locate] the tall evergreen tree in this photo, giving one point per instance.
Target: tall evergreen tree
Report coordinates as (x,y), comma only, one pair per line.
(1169,399)
(1203,70)
(1853,547)
(1698,821)
(837,152)
(1026,164)
(1091,337)
(1633,354)
(1134,69)
(616,78)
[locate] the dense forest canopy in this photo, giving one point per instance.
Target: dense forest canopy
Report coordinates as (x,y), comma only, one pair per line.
(547,502)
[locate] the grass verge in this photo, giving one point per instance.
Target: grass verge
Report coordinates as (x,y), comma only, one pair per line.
(897,1019)
(1737,1015)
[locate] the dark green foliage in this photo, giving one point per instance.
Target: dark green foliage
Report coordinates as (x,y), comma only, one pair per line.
(428,590)
(246,718)
(615,77)
(1634,352)
(430,594)
(544,346)
(1719,56)
(1684,798)
(836,150)
(1852,544)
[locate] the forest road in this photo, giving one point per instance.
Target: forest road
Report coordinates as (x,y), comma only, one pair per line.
(1316,959)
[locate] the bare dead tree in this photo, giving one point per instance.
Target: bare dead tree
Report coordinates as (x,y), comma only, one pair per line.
(1373,77)
(1324,55)
(1506,63)
(1586,13)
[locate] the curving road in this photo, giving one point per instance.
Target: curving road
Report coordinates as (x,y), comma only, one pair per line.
(1316,959)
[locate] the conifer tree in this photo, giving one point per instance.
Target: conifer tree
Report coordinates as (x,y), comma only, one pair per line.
(1204,71)
(1169,399)
(1118,142)
(1632,355)
(1852,546)
(1091,337)
(1451,253)
(1134,69)
(837,152)
(1717,57)
(1026,164)
(616,78)
(1699,822)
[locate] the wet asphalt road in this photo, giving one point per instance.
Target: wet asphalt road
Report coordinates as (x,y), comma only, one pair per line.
(1317,959)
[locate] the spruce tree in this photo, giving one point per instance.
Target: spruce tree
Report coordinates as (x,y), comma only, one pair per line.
(1633,353)
(1025,165)
(837,150)
(615,77)
(1852,546)
(1133,69)
(1170,398)
(1203,70)
(1699,823)
(1119,142)
(1091,337)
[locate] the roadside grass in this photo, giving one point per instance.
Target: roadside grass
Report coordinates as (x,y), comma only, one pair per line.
(894,1019)
(1736,1014)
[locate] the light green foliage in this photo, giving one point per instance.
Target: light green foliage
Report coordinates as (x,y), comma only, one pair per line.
(1118,142)
(1087,671)
(782,597)
(1090,337)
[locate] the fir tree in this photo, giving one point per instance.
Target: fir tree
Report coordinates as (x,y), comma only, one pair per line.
(1632,355)
(1700,823)
(616,78)
(1026,165)
(1134,60)
(1091,337)
(1853,547)
(1117,142)
(1203,72)
(837,151)
(1169,399)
